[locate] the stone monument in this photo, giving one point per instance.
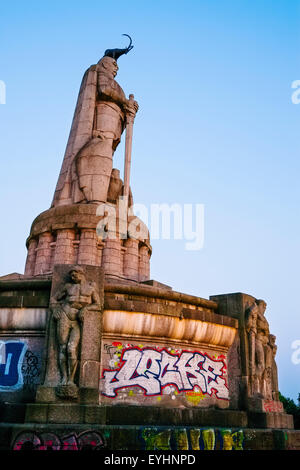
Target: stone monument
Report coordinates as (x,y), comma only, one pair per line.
(95,353)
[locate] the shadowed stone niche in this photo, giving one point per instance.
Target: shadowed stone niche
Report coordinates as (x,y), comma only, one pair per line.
(73,336)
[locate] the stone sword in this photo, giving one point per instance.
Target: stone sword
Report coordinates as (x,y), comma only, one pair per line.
(128,147)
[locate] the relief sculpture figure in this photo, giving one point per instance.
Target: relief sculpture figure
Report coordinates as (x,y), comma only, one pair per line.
(73,302)
(263,381)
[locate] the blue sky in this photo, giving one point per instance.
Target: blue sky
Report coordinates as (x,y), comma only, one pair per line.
(216,126)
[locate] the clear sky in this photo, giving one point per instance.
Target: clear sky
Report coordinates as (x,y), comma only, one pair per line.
(216,126)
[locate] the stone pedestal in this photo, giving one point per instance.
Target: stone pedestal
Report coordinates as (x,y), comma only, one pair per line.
(69,234)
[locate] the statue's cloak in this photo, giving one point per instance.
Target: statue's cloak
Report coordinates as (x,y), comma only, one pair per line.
(81,132)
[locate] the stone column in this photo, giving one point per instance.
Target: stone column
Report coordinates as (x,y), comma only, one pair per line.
(111,257)
(64,250)
(88,250)
(131,259)
(31,257)
(144,264)
(43,254)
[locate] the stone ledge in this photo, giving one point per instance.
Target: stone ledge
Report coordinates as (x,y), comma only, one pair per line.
(133,415)
(140,289)
(25,300)
(157,308)
(270,420)
(155,292)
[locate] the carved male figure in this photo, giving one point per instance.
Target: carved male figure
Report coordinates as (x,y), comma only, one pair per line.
(77,297)
(100,117)
(93,163)
(271,368)
(257,327)
(261,341)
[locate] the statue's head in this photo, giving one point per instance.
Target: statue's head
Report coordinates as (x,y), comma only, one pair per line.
(76,274)
(109,66)
(109,60)
(272,340)
(262,305)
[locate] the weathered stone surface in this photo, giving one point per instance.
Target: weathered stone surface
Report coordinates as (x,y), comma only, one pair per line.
(76,307)
(22,319)
(70,233)
(270,420)
(292,440)
(254,377)
(169,327)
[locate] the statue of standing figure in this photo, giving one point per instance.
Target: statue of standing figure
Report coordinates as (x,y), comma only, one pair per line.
(262,350)
(101,114)
(72,303)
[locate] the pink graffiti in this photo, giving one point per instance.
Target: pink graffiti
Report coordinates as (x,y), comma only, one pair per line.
(45,441)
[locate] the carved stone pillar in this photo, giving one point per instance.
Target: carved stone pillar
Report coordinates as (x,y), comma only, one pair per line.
(64,250)
(111,257)
(43,254)
(131,259)
(144,264)
(88,249)
(31,257)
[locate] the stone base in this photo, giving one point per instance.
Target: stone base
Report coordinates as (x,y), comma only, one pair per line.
(132,415)
(270,420)
(61,394)
(46,394)
(67,392)
(268,414)
(147,437)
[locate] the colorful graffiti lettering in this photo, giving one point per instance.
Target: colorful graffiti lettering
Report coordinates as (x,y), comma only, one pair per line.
(192,439)
(87,440)
(152,370)
(11,358)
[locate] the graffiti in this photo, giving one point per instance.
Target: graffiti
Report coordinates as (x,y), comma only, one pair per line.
(152,370)
(273,406)
(29,440)
(149,438)
(30,370)
(11,358)
(192,439)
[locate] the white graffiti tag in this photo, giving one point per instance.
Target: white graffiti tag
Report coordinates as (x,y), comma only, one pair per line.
(152,370)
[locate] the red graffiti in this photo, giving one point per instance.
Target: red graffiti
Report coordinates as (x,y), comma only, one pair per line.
(273,407)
